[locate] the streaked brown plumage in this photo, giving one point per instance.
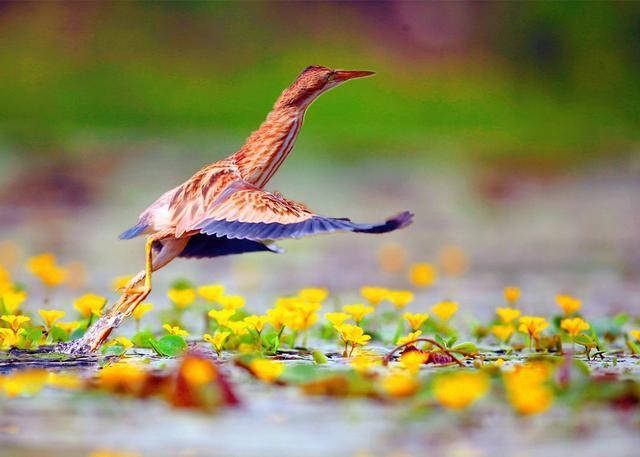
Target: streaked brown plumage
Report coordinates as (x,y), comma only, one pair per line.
(224,209)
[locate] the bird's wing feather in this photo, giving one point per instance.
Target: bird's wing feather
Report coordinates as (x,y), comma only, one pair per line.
(244,211)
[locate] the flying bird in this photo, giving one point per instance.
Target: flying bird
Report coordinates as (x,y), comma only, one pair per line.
(224,209)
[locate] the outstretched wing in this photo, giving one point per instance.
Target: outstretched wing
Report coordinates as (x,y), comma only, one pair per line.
(244,211)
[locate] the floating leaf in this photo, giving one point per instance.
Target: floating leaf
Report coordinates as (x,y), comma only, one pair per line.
(169,345)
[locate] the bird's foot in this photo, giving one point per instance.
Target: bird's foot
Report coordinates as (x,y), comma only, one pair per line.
(133,290)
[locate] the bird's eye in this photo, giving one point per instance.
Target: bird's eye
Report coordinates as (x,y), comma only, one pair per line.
(331,76)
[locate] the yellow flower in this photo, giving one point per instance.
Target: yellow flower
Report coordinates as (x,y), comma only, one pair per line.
(635,334)
(238,327)
(90,304)
(50,316)
(23,382)
(64,381)
(121,282)
(499,363)
(222,316)
(68,327)
(44,267)
(400,384)
(532,325)
(15,322)
(12,300)
(358,311)
(266,370)
(257,322)
(231,301)
(7,338)
(526,388)
(415,320)
(507,315)
(212,292)
(363,362)
(175,330)
(460,389)
(217,340)
(503,332)
(574,326)
(314,295)
(122,377)
(410,337)
(141,310)
(122,341)
(445,310)
(353,335)
(302,317)
(400,298)
(197,371)
(413,360)
(277,317)
(511,294)
(181,297)
(374,295)
(568,303)
(337,319)
(422,274)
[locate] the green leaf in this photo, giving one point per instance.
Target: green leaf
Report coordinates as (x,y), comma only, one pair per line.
(297,374)
(182,284)
(33,335)
(142,339)
(441,340)
(620,319)
(77,333)
(584,340)
(57,334)
(169,345)
(113,349)
(466,348)
(319,358)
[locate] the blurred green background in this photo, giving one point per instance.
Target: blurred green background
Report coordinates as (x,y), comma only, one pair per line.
(541,83)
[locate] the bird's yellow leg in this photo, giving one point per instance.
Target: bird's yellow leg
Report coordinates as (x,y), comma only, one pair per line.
(147,270)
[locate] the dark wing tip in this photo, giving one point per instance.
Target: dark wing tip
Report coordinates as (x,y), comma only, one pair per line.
(133,231)
(401,220)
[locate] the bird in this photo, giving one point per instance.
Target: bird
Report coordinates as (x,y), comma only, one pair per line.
(224,208)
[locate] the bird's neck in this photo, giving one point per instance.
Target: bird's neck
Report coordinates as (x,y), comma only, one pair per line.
(267,148)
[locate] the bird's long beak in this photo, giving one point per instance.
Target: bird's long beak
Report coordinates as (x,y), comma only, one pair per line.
(344,75)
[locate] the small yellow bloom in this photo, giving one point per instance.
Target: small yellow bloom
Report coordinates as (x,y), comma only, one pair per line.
(90,304)
(120,282)
(568,304)
(511,294)
(238,327)
(499,363)
(231,301)
(445,310)
(532,325)
(175,330)
(422,274)
(122,377)
(503,332)
(413,360)
(357,311)
(7,338)
(44,267)
(635,334)
(353,335)
(374,295)
(574,326)
(507,315)
(217,340)
(278,317)
(415,320)
(68,327)
(400,384)
(12,299)
(181,297)
(266,370)
(198,371)
(122,341)
(362,363)
(526,388)
(257,322)
(222,316)
(212,292)
(400,298)
(24,382)
(337,319)
(141,310)
(460,389)
(50,316)
(410,337)
(314,295)
(15,322)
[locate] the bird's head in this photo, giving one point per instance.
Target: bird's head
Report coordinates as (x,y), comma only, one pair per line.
(314,80)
